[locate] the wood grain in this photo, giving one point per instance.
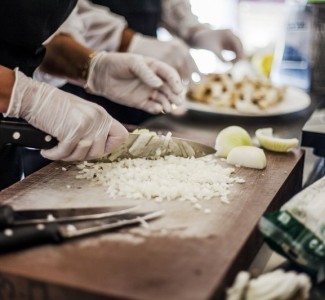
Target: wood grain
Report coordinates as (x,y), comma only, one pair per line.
(186,255)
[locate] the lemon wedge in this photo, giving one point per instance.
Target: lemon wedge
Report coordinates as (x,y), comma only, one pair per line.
(231,137)
(268,141)
(247,156)
(263,63)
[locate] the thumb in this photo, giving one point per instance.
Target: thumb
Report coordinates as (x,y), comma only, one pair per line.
(141,69)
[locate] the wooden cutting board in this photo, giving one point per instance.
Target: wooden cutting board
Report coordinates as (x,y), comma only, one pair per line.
(185,255)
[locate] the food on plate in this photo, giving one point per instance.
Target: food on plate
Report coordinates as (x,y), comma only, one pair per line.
(275,285)
(230,137)
(247,156)
(248,95)
(268,141)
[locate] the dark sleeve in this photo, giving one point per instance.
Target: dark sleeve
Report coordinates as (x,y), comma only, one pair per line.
(25,25)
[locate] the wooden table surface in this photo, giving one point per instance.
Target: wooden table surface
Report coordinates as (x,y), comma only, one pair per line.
(185,255)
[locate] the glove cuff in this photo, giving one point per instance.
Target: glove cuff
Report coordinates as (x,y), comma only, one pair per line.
(15,99)
(194,37)
(134,43)
(89,77)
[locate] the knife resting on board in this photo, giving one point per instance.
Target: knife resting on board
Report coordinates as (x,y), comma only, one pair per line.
(16,238)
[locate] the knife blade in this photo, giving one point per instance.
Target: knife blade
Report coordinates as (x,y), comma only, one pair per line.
(16,238)
(11,217)
(153,146)
(19,132)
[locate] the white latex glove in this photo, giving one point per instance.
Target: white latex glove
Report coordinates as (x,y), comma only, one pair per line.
(84,130)
(175,53)
(218,40)
(136,81)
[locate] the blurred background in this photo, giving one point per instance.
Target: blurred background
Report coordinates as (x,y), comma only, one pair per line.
(276,35)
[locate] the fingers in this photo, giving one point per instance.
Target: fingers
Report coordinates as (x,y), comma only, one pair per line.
(177,99)
(168,74)
(238,49)
(139,68)
(189,68)
(88,148)
(65,149)
(162,100)
(158,103)
(117,136)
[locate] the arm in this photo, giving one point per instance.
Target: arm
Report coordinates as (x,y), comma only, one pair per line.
(95,27)
(98,28)
(177,17)
(87,133)
(67,58)
(127,79)
(7,78)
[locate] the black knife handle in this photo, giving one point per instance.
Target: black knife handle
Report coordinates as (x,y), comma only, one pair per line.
(7,216)
(23,134)
(12,239)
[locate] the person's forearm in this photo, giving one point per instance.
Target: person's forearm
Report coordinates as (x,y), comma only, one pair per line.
(7,79)
(67,58)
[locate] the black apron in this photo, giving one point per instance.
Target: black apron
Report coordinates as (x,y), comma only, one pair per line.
(24,26)
(142,16)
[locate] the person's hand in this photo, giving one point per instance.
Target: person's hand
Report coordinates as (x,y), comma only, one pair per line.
(175,53)
(136,81)
(218,40)
(84,130)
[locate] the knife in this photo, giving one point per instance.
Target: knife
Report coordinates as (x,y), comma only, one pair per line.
(19,132)
(11,217)
(12,239)
(152,146)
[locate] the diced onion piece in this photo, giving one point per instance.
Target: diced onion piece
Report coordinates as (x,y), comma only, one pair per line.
(268,141)
(247,156)
(231,137)
(144,131)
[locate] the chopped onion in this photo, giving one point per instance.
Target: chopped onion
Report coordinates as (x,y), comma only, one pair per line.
(231,137)
(268,141)
(247,156)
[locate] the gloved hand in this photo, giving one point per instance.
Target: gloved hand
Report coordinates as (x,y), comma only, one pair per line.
(136,81)
(84,130)
(175,53)
(218,40)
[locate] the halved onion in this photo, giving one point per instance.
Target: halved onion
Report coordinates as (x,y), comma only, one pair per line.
(247,156)
(231,137)
(268,141)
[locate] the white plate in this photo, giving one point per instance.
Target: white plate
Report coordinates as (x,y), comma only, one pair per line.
(294,100)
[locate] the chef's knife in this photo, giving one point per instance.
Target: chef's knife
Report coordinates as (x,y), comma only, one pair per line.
(16,238)
(19,132)
(153,146)
(11,217)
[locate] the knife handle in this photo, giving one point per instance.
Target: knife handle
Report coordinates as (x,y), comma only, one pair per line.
(7,216)
(23,134)
(16,238)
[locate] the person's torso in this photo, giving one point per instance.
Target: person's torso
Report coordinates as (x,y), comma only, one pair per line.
(24,26)
(142,16)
